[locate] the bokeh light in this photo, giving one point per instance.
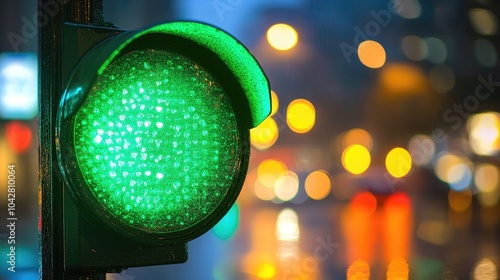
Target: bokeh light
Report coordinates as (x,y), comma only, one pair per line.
(485,270)
(400,78)
(484,133)
(266,271)
(422,149)
(397,226)
(442,78)
(364,204)
(438,52)
(274,103)
(483,21)
(371,54)
(282,36)
(228,225)
(287,186)
(19,136)
(287,225)
(486,53)
(409,9)
(263,192)
(398,162)
(459,176)
(271,166)
(486,177)
(268,173)
(487,181)
(356,159)
(300,115)
(398,202)
(358,221)
(356,136)
(265,134)
(318,185)
(453,170)
(398,269)
(460,201)
(358,270)
(414,47)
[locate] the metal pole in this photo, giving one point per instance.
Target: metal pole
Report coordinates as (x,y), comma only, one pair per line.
(51,86)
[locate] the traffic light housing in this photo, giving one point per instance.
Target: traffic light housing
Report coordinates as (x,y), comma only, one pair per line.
(152,136)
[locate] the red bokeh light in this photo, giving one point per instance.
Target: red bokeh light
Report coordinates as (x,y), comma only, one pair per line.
(18,136)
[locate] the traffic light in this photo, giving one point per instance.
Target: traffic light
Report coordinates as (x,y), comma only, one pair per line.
(152,136)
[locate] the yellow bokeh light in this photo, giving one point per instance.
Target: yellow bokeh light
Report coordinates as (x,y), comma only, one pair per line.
(398,270)
(371,54)
(267,174)
(287,186)
(483,21)
(445,164)
(271,166)
(400,78)
(460,201)
(356,159)
(489,199)
(265,134)
(484,133)
(300,115)
(358,270)
(318,185)
(485,270)
(282,36)
(357,136)
(274,103)
(266,271)
(263,192)
(398,162)
(486,177)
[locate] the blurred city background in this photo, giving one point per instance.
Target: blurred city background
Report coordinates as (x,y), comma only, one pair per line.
(380,159)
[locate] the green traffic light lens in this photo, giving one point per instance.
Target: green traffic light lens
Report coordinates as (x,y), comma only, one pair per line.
(157,141)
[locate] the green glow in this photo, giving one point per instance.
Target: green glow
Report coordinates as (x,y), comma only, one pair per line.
(227,226)
(157,141)
(232,52)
